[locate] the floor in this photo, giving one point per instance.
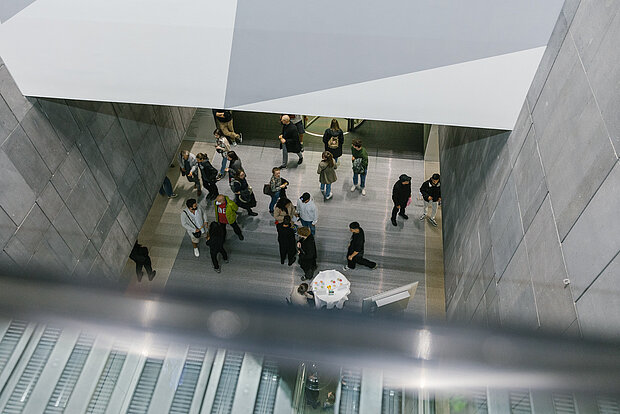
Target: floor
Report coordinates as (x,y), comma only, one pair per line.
(254,268)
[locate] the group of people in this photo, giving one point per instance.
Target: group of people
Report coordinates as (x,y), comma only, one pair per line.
(401,196)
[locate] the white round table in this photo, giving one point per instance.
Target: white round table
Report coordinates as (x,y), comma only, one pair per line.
(330,289)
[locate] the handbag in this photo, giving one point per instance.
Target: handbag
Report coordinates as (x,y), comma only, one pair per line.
(267,189)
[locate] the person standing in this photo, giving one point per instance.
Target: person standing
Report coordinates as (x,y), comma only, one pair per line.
(431,193)
(355,252)
(226,213)
(327,174)
(307,212)
(277,185)
(224,121)
(401,192)
(189,169)
(194,220)
(215,240)
(222,147)
(284,207)
(289,140)
(360,165)
(307,252)
(166,188)
(140,255)
(299,122)
(234,165)
(333,139)
(244,196)
(208,174)
(286,240)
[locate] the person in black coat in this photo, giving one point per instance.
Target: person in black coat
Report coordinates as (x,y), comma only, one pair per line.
(355,251)
(333,139)
(286,240)
(307,252)
(244,196)
(209,175)
(140,255)
(400,196)
(215,240)
(431,193)
(289,140)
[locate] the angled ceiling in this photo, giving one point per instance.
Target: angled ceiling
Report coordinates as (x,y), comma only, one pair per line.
(432,61)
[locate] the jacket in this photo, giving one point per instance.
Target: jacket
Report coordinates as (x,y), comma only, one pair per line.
(216,238)
(307,211)
(278,214)
(245,198)
(234,167)
(363,154)
(427,189)
(307,252)
(208,172)
(327,174)
(231,211)
(291,136)
(193,163)
(401,193)
(190,224)
(286,236)
(329,133)
(222,143)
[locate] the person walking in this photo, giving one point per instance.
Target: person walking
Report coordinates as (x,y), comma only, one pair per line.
(401,193)
(140,255)
(307,212)
(333,139)
(327,174)
(359,156)
(284,207)
(355,252)
(208,174)
(189,169)
(298,121)
(289,141)
(286,240)
(194,220)
(277,185)
(431,193)
(215,240)
(234,165)
(226,213)
(166,188)
(224,121)
(222,146)
(307,252)
(244,195)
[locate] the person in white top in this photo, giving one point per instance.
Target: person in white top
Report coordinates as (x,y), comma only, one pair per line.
(194,220)
(307,212)
(300,295)
(189,169)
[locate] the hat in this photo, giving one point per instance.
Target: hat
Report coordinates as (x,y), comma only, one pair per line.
(404,177)
(305,197)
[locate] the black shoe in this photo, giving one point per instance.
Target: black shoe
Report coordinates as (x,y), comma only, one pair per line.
(375,266)
(406,217)
(217,270)
(241,237)
(300,161)
(283,166)
(139,275)
(292,262)
(394,222)
(152,275)
(252,213)
(225,260)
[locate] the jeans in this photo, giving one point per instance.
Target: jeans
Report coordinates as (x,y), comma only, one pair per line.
(224,160)
(359,258)
(327,188)
(274,199)
(434,209)
(285,155)
(363,179)
(166,188)
(308,224)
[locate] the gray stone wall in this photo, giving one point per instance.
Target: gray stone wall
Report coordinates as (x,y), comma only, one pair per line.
(526,209)
(78,178)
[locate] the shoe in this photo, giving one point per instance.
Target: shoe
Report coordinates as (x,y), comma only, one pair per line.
(252,213)
(423,216)
(173,195)
(300,161)
(241,237)
(345,268)
(139,275)
(219,177)
(329,197)
(240,137)
(292,262)
(353,188)
(217,270)
(394,222)
(432,221)
(152,275)
(199,193)
(282,167)
(225,260)
(363,191)
(196,252)
(374,267)
(234,143)
(406,217)
(302,148)
(281,261)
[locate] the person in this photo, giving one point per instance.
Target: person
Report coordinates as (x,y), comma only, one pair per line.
(244,196)
(166,188)
(284,207)
(431,193)
(222,147)
(286,240)
(208,174)
(327,174)
(355,252)
(215,240)
(359,156)
(140,255)
(277,186)
(289,140)
(401,192)
(298,121)
(234,165)
(307,252)
(224,122)
(307,212)
(189,169)
(194,220)
(333,139)
(301,296)
(226,213)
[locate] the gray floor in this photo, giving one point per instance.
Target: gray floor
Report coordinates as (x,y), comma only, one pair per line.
(254,268)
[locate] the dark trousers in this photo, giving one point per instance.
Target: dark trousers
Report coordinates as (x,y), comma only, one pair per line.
(146,264)
(214,251)
(235,227)
(287,250)
(211,188)
(166,187)
(194,179)
(359,258)
(308,269)
(395,210)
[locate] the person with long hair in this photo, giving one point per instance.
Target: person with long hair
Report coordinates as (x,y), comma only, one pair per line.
(284,207)
(208,174)
(333,139)
(222,146)
(286,240)
(244,196)
(234,165)
(327,174)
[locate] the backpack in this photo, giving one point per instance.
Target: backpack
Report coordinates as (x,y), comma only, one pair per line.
(358,167)
(333,142)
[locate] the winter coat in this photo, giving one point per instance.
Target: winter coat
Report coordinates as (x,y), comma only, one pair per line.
(278,214)
(208,172)
(231,210)
(401,193)
(245,198)
(307,252)
(327,174)
(291,135)
(329,133)
(363,154)
(427,189)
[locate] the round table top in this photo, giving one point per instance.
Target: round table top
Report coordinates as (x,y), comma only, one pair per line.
(330,286)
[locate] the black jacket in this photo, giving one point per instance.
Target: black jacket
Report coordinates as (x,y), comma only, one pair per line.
(307,251)
(286,236)
(139,254)
(291,135)
(428,189)
(217,236)
(357,243)
(208,172)
(336,152)
(401,193)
